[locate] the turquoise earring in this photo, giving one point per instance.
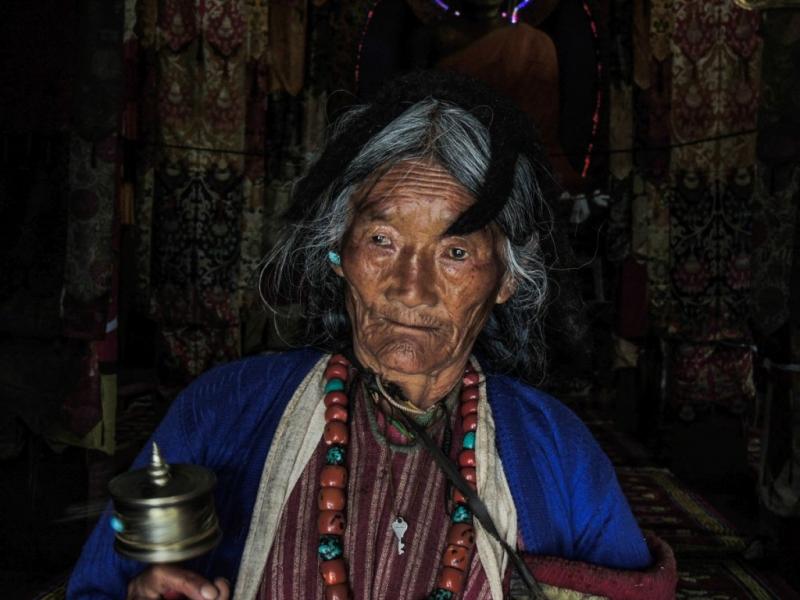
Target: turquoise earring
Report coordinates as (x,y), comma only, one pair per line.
(334,258)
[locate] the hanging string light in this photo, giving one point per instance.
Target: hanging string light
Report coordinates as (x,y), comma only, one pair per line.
(517,9)
(514,13)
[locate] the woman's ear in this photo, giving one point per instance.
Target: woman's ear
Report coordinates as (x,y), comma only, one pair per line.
(507,289)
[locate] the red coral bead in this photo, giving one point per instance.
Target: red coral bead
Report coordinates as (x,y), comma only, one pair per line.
(339,398)
(330,522)
(456,557)
(339,359)
(336,412)
(468,407)
(337,372)
(451,579)
(340,591)
(466,458)
(333,571)
(334,476)
(470,393)
(336,433)
(469,368)
(461,534)
(471,379)
(331,498)
(470,422)
(458,497)
(469,474)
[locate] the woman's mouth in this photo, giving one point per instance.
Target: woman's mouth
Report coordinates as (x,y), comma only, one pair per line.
(410,325)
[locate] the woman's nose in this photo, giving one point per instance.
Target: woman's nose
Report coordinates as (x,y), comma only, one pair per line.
(413,280)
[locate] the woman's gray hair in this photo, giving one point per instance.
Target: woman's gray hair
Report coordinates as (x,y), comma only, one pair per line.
(298,271)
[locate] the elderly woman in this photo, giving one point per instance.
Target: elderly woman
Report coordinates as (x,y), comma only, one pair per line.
(403,461)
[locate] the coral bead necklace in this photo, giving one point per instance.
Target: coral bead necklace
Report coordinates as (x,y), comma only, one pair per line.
(333,484)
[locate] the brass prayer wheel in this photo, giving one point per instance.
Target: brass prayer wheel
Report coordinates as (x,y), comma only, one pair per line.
(164,513)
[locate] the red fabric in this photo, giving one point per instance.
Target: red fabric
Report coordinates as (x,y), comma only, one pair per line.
(508,57)
(632,300)
(656,583)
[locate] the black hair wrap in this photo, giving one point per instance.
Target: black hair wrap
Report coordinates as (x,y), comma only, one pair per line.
(511,133)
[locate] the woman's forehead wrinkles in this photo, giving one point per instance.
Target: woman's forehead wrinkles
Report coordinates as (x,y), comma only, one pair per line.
(417,173)
(398,196)
(398,203)
(426,178)
(404,186)
(387,195)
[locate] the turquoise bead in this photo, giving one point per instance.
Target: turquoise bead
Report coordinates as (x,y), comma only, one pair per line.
(334,385)
(330,547)
(117,524)
(461,514)
(335,455)
(469,441)
(440,594)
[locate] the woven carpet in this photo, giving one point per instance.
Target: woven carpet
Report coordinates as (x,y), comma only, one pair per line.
(708,548)
(726,579)
(662,504)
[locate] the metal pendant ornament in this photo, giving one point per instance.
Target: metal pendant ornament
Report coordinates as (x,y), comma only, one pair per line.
(399,527)
(164,513)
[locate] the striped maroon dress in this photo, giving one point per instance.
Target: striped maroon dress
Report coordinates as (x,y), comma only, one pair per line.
(375,570)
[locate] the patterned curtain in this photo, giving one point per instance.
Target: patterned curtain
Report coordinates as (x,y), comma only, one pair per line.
(716,68)
(686,205)
(91,281)
(777,182)
(776,258)
(233,106)
(200,178)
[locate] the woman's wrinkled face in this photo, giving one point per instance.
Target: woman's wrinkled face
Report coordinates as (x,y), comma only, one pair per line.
(418,298)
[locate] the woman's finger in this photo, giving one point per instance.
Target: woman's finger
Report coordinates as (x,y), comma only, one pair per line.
(190,584)
(172,582)
(224,587)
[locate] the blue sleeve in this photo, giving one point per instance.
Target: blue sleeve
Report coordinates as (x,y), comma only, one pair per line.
(100,572)
(604,528)
(568,500)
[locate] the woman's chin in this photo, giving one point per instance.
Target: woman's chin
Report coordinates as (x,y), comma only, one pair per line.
(406,358)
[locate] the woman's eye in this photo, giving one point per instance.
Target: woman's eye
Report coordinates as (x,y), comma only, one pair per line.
(457,253)
(380,240)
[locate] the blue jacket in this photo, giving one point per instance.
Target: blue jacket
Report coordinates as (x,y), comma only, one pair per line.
(567,497)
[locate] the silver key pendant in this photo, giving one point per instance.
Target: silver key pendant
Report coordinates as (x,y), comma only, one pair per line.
(399,526)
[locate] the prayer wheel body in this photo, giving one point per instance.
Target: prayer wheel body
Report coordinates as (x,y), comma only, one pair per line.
(163,513)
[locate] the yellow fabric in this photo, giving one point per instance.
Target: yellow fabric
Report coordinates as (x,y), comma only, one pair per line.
(556,593)
(620,130)
(103,436)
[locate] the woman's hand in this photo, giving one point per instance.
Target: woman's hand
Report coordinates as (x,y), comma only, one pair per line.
(165,581)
